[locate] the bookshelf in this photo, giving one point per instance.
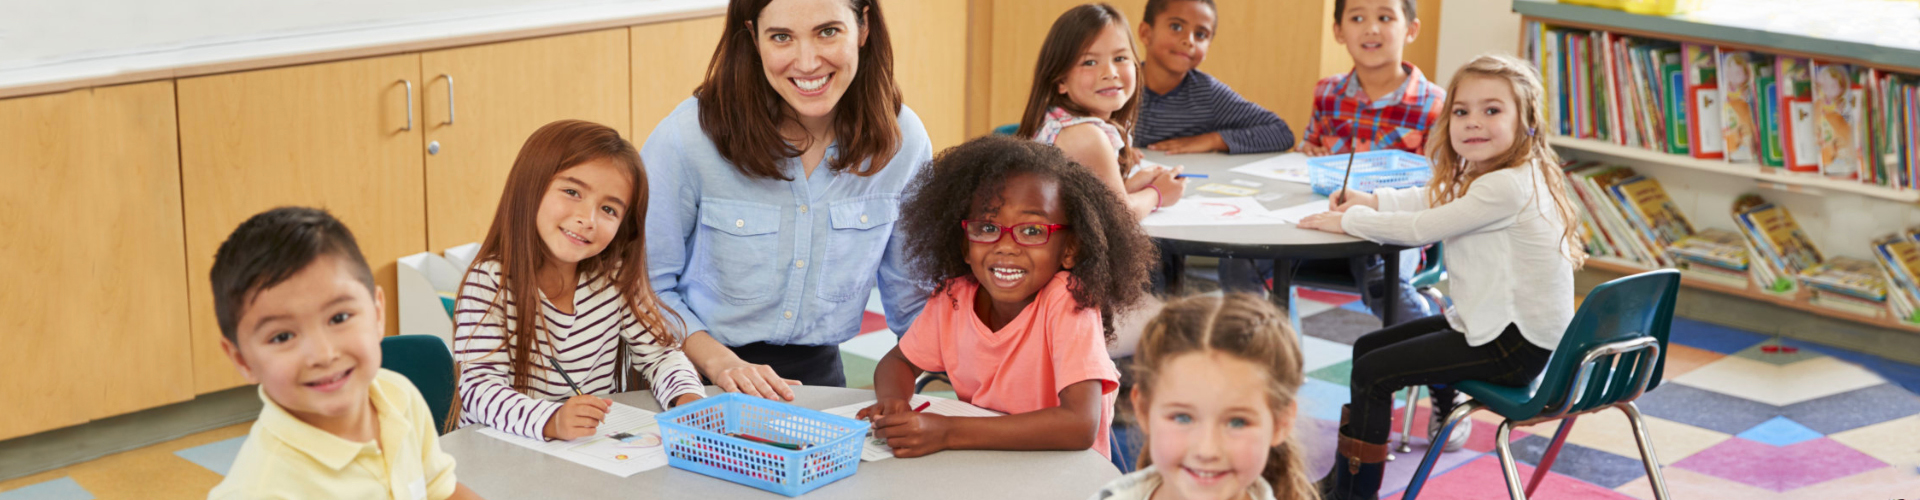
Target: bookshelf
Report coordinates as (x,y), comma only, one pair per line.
(1779,180)
(1841,209)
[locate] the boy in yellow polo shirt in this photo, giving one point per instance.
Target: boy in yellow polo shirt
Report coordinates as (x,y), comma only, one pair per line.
(299,315)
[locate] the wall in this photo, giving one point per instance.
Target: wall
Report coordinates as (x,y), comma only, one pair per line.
(1485,26)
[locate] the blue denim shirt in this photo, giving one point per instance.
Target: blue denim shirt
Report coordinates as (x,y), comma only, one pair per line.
(783,262)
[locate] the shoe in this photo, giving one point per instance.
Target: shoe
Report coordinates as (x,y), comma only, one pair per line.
(1357,471)
(1461,431)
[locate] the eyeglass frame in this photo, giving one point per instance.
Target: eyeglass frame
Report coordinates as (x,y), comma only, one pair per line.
(1051,229)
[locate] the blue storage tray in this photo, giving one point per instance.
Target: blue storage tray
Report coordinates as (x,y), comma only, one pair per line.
(1372,170)
(698,438)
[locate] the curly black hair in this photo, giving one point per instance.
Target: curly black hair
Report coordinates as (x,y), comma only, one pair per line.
(1110,269)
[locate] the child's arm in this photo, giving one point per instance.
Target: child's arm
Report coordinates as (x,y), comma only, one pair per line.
(479,344)
(1088,146)
(1074,425)
(1492,200)
(674,381)
(1241,127)
(892,385)
(461,492)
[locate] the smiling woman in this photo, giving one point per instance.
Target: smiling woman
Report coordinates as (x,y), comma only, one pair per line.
(768,256)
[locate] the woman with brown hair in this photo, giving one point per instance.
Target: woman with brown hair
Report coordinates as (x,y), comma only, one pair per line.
(774,194)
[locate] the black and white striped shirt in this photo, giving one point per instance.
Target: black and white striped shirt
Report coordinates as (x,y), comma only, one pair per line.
(1201,104)
(586,343)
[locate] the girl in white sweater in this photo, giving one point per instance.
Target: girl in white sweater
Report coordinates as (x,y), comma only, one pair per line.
(1499,203)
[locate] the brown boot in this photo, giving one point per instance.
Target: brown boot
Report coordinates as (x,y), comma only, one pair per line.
(1357,471)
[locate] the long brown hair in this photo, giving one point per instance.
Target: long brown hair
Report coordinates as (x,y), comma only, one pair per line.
(513,242)
(1451,178)
(1070,36)
(1244,327)
(741,113)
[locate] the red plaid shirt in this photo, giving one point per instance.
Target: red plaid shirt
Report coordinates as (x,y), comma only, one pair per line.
(1400,120)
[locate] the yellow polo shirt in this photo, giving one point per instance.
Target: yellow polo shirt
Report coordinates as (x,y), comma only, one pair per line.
(287,458)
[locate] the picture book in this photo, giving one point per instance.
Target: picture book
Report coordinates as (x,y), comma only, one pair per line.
(1703,97)
(1739,123)
(1799,138)
(1839,120)
(1847,275)
(1716,247)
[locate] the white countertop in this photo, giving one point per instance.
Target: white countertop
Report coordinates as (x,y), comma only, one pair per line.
(210,56)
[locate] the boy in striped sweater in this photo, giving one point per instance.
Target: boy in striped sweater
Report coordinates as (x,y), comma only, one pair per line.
(1185,110)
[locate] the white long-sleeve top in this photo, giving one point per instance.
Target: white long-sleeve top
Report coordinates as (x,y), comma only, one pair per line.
(586,343)
(1504,255)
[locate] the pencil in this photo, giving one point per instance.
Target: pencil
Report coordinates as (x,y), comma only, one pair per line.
(563,376)
(923,406)
(1192,176)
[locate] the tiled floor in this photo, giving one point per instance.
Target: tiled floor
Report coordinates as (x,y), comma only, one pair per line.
(1732,421)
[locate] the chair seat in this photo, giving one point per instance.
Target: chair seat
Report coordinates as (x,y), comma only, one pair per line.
(1508,401)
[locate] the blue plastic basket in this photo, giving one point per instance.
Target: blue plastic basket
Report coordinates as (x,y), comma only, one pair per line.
(1371,170)
(698,438)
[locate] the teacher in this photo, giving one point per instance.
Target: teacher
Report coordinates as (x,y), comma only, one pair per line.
(773,194)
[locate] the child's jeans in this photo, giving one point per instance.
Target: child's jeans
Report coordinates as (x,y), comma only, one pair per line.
(1250,276)
(1427,351)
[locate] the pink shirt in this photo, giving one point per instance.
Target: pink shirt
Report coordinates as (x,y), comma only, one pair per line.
(1052,344)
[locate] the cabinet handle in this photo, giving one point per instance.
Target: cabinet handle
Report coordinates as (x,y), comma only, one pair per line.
(409,85)
(449,98)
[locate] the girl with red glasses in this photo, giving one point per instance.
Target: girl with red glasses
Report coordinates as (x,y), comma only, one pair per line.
(1031,258)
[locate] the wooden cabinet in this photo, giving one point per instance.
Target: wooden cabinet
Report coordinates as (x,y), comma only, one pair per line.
(94,315)
(343,136)
(669,60)
(482,102)
(930,64)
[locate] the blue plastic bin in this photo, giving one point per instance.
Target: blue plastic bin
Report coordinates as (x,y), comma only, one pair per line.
(698,438)
(1371,170)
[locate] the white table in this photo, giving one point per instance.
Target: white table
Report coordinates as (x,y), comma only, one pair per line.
(499,470)
(1287,244)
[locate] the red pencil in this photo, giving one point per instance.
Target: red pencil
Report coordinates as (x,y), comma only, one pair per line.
(923,406)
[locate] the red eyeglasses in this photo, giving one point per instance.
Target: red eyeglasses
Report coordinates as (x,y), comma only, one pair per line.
(1031,234)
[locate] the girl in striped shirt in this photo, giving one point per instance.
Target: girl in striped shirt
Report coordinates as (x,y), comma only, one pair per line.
(569,221)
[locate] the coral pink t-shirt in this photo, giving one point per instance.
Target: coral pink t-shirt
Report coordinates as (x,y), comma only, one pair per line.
(1023,367)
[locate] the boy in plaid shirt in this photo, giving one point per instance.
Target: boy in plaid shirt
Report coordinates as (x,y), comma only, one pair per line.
(1384,102)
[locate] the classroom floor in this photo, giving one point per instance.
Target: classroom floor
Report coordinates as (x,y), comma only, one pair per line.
(1733,421)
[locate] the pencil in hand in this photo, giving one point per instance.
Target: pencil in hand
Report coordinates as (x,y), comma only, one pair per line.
(564,376)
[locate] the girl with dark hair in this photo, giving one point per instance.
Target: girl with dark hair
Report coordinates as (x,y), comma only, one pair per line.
(774,194)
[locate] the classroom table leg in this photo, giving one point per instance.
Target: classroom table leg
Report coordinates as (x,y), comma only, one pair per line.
(1279,291)
(1173,272)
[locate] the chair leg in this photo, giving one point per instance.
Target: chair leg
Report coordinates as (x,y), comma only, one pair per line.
(1456,417)
(1553,452)
(1293,309)
(1507,468)
(1406,421)
(1647,459)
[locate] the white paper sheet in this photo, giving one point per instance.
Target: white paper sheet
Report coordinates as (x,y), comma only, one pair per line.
(636,449)
(1293,214)
(1191,211)
(878,450)
(1291,167)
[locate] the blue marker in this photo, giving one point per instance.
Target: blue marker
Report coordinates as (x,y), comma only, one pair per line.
(1193,176)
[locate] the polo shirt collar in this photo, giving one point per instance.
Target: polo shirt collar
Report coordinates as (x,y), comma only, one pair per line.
(1350,87)
(332,451)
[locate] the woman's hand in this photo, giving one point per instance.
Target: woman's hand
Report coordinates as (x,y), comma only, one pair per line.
(1324,221)
(736,375)
(911,433)
(1348,198)
(579,416)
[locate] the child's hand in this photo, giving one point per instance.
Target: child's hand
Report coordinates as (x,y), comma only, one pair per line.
(1311,149)
(1324,221)
(1131,156)
(579,416)
(911,433)
(1203,143)
(884,407)
(1348,198)
(1143,177)
(1171,186)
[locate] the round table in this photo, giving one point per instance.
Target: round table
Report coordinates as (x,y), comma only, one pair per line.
(1285,243)
(497,469)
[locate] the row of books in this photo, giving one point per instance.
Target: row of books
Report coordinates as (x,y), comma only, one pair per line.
(1777,113)
(1629,219)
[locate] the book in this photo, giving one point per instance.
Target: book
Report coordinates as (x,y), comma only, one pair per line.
(1838,120)
(1848,304)
(1714,274)
(1899,259)
(1778,235)
(1768,268)
(1847,275)
(1739,121)
(1703,100)
(1652,211)
(1799,138)
(1714,247)
(1675,99)
(1766,104)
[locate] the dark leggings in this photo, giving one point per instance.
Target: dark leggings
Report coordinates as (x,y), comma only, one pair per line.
(810,364)
(1426,351)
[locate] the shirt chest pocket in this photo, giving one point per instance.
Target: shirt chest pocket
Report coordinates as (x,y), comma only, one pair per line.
(738,241)
(857,237)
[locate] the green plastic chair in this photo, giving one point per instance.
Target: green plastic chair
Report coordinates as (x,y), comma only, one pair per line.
(426,361)
(1008,129)
(1611,354)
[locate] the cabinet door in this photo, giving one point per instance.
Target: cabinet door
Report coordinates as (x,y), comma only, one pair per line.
(491,98)
(94,307)
(930,64)
(669,60)
(334,135)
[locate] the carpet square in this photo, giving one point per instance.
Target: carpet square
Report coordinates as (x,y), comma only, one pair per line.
(1854,409)
(1320,353)
(1704,409)
(1682,483)
(1339,325)
(1587,464)
(1712,337)
(1481,479)
(1780,385)
(1780,468)
(218,456)
(59,489)
(1780,431)
(1895,441)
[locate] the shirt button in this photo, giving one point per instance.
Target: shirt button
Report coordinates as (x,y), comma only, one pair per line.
(800,263)
(788,315)
(739,223)
(803,209)
(863,218)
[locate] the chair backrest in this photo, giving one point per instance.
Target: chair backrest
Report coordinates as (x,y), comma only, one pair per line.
(1616,347)
(1435,270)
(426,361)
(1008,129)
